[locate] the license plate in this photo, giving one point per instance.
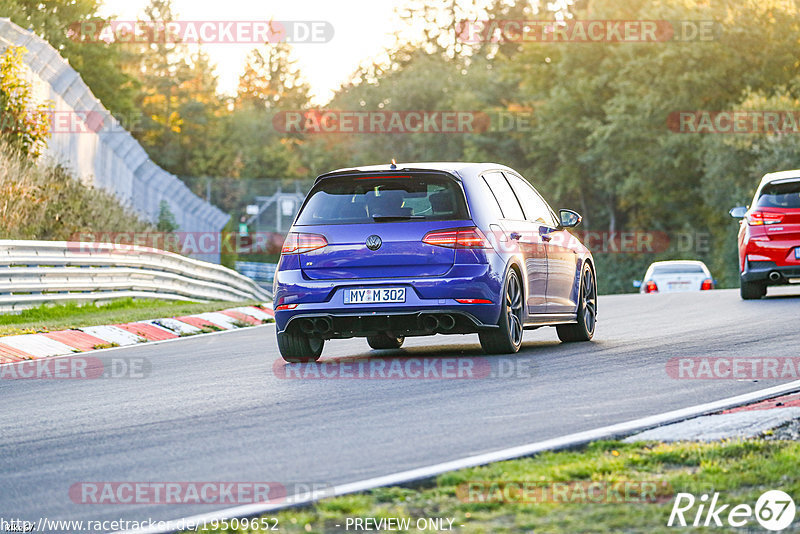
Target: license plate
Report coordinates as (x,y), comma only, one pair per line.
(375,296)
(797,253)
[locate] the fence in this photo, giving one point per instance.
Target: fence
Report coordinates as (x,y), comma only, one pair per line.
(275,199)
(37,272)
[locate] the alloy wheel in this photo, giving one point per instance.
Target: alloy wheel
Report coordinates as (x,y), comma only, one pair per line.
(589,296)
(514,309)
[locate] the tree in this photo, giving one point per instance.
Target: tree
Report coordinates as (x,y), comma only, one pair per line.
(161,68)
(166,219)
(99,63)
(271,80)
(204,145)
(24,125)
(182,126)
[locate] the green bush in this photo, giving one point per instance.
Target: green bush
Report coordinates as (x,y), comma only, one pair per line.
(46,201)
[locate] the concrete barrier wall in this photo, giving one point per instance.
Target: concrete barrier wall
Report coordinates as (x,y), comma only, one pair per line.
(103,154)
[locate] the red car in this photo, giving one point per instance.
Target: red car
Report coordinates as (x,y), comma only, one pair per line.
(769,235)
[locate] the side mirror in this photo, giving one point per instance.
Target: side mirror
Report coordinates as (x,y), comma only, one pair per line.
(637,284)
(569,218)
(738,212)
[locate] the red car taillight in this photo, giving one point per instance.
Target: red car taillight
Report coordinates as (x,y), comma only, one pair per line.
(298,243)
(708,283)
(470,237)
(760,218)
(650,287)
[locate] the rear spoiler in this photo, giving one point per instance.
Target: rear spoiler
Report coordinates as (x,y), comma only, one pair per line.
(387,172)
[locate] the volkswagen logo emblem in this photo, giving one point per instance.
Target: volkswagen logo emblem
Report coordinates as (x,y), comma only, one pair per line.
(374,242)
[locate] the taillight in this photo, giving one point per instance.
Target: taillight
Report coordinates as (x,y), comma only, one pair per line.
(759,218)
(473,301)
(708,283)
(299,243)
(470,237)
(650,287)
(286,307)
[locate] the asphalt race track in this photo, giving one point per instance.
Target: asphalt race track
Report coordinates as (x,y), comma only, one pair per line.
(213,409)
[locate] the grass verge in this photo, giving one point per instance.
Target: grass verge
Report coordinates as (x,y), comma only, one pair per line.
(739,470)
(71,315)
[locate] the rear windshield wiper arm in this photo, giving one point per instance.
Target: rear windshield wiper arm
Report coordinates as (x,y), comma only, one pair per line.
(397,217)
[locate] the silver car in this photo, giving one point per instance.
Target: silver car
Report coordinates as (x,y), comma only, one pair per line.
(675,276)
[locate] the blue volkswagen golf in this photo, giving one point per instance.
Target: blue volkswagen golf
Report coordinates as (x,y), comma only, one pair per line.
(391,251)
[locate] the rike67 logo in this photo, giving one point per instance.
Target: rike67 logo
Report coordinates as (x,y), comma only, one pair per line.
(774,510)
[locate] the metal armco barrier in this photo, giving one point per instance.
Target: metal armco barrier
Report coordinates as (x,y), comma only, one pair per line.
(36,272)
(264,273)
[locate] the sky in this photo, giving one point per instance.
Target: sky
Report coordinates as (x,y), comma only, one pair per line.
(362,29)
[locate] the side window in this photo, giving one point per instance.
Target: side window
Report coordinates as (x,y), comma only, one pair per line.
(504,195)
(536,209)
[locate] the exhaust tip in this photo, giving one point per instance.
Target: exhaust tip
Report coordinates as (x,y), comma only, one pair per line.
(306,326)
(774,276)
(447,322)
(430,322)
(323,326)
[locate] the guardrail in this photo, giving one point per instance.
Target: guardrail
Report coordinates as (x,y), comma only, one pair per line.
(36,272)
(262,273)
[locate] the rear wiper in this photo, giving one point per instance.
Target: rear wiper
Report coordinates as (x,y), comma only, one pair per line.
(397,217)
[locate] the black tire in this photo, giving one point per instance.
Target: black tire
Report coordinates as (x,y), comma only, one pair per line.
(583,330)
(385,341)
(298,347)
(506,339)
(752,290)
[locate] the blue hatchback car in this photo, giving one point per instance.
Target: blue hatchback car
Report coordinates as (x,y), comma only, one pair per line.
(391,251)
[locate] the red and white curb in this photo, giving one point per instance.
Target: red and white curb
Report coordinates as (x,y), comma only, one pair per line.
(46,344)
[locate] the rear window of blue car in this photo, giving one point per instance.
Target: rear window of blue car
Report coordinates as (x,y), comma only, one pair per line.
(370,199)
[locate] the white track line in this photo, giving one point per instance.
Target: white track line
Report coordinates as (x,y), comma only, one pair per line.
(571,440)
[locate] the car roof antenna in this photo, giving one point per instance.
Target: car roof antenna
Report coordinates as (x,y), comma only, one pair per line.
(393,166)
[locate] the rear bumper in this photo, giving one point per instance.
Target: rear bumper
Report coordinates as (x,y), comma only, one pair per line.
(434,295)
(400,323)
(759,271)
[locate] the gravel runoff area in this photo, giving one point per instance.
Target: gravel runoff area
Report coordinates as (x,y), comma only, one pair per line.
(772,419)
(789,431)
